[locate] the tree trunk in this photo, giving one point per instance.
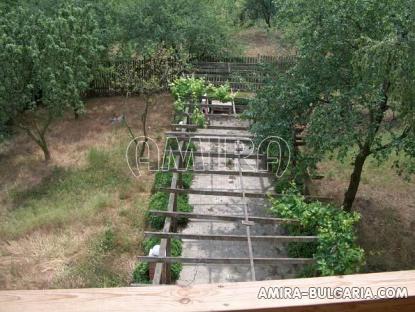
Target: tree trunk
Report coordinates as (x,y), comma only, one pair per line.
(144,121)
(38,136)
(268,21)
(45,150)
(376,117)
(351,192)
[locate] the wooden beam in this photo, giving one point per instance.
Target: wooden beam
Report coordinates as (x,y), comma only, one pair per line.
(229,297)
(194,127)
(161,269)
(229,139)
(264,174)
(178,134)
(237,194)
(246,214)
(218,155)
(210,115)
(185,126)
(228,128)
(191,215)
(222,115)
(227,237)
(214,193)
(226,106)
(268,261)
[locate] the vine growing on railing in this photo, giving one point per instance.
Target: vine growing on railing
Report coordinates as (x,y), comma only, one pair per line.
(191,90)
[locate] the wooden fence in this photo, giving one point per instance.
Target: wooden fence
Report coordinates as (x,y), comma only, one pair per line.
(119,76)
(242,73)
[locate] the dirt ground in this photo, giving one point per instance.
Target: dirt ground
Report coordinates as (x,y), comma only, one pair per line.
(38,259)
(256,41)
(386,203)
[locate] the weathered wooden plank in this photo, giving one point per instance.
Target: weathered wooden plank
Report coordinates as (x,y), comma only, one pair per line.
(228,128)
(215,192)
(168,224)
(219,297)
(241,261)
(238,106)
(218,155)
(237,194)
(192,215)
(221,115)
(184,126)
(228,237)
(178,134)
(264,174)
(230,138)
(246,214)
(194,127)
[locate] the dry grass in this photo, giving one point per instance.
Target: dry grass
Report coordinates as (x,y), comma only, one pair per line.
(386,203)
(77,221)
(256,41)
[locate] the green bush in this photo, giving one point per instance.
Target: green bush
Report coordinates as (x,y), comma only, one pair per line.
(141,271)
(221,93)
(176,268)
(192,89)
(336,251)
(159,201)
(163,179)
(176,246)
(188,88)
(198,118)
(187,179)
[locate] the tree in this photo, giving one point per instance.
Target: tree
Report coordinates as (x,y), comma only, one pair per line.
(146,77)
(256,9)
(353,83)
(189,25)
(46,65)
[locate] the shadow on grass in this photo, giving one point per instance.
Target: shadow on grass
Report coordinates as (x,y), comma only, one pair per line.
(386,239)
(67,194)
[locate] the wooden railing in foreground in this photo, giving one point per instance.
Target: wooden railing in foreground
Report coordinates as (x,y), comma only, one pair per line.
(215,297)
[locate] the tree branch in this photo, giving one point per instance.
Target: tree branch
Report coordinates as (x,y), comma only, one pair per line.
(403,135)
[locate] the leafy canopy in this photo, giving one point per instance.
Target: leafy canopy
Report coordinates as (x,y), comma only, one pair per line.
(46,63)
(353,82)
(193,26)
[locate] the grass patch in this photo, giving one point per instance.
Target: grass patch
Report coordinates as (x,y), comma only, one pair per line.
(100,266)
(67,195)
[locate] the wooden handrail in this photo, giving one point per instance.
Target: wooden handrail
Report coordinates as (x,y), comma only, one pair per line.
(216,297)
